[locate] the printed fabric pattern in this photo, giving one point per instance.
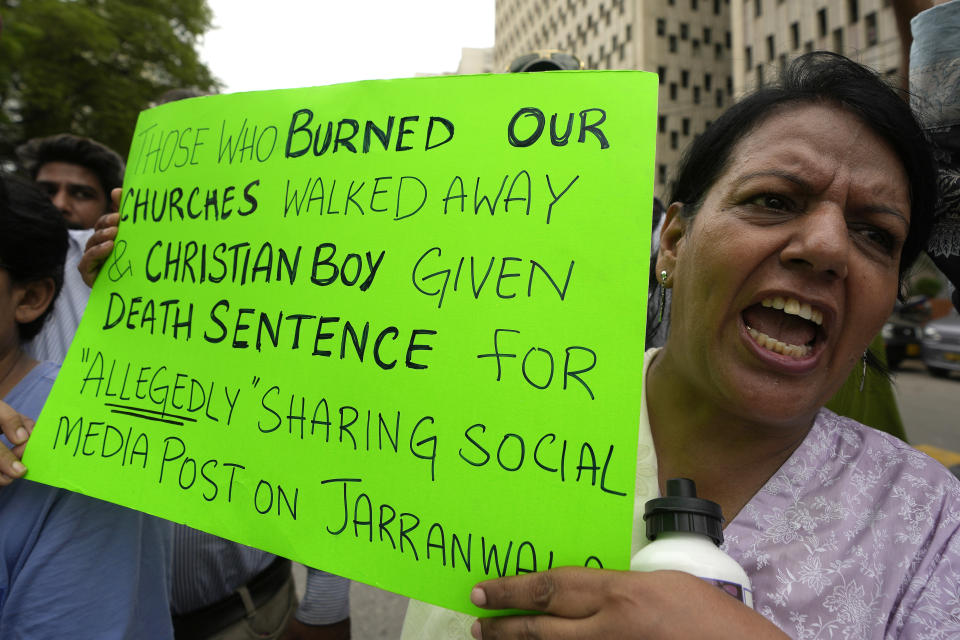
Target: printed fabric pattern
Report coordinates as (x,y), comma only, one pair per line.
(855,537)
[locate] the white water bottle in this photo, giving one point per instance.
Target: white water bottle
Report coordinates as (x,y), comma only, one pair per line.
(685,533)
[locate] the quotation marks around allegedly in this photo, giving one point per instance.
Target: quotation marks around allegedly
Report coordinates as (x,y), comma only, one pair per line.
(118,267)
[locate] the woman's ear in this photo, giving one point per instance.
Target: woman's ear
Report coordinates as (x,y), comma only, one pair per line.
(671,237)
(33,298)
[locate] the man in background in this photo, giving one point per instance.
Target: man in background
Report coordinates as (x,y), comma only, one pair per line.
(78,175)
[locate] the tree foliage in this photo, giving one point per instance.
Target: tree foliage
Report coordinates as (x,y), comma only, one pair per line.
(88,67)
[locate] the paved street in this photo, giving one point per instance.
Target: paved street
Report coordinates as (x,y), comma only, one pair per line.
(929,406)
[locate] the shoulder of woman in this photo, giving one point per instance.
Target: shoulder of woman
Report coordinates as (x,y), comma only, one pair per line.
(852,442)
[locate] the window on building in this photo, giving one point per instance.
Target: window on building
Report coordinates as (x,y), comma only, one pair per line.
(771,48)
(673,90)
(718,51)
(758,8)
(662,173)
(706,35)
(674,140)
(759,73)
(822,22)
(662,74)
(716,7)
(684,78)
(853,10)
(707,81)
(870,22)
(673,43)
(662,124)
(726,39)
(795,36)
(729,85)
(838,40)
(684,31)
(748,54)
(685,126)
(623,52)
(696,95)
(629,32)
(695,43)
(661,27)
(783,63)
(719,98)
(693,5)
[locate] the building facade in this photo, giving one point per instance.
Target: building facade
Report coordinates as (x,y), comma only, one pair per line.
(706,52)
(686,42)
(767,34)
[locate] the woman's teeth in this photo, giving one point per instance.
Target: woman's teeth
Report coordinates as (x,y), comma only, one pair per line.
(795,308)
(772,344)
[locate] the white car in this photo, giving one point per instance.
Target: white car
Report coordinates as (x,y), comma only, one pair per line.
(941,345)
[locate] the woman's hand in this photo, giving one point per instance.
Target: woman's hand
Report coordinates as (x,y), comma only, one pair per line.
(17,429)
(595,603)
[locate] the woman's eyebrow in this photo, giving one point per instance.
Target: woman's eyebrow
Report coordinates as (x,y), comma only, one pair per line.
(884,209)
(803,184)
(776,173)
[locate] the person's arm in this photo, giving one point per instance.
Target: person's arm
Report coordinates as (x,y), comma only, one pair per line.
(16,428)
(903,12)
(324,612)
(934,77)
(594,603)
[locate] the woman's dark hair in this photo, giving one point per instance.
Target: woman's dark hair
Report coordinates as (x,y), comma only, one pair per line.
(829,78)
(33,241)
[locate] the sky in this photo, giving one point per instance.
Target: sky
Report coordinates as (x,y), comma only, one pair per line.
(299,43)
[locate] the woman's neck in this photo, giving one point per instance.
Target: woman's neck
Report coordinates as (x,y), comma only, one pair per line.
(730,457)
(14,365)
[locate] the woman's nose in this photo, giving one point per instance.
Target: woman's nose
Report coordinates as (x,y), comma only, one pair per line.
(820,241)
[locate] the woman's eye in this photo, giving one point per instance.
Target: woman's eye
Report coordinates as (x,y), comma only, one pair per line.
(772,201)
(877,237)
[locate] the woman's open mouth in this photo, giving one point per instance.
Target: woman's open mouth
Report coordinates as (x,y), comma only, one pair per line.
(785,326)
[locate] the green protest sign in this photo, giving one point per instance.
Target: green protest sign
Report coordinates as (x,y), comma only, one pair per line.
(391,329)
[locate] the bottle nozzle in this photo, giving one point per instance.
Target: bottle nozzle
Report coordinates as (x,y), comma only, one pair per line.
(681,488)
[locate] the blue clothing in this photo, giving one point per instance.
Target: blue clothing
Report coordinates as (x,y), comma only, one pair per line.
(72,566)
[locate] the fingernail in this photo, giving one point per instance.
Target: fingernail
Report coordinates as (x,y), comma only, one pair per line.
(21,435)
(475,630)
(18,466)
(478,597)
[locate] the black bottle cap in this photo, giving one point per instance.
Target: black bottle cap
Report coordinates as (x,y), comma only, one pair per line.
(682,510)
